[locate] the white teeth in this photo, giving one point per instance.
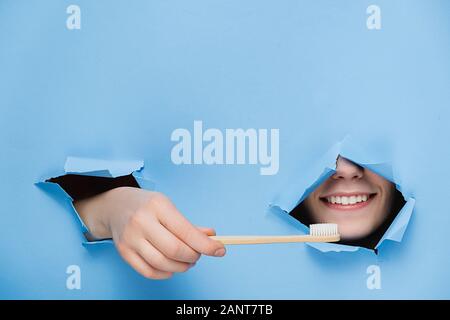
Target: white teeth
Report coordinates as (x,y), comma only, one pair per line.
(347,200)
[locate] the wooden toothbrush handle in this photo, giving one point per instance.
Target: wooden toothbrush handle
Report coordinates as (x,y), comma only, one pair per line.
(273,239)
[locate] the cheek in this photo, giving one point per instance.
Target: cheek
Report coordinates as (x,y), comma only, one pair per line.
(353,231)
(388,197)
(313,204)
(379,183)
(308,202)
(386,189)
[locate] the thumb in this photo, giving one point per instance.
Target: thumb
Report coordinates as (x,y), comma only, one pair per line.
(199,240)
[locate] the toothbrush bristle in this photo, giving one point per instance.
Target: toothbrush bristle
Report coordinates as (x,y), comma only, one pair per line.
(323,229)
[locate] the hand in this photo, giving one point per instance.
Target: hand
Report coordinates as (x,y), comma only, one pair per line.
(148,231)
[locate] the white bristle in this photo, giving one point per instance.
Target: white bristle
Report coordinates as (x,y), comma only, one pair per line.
(323,229)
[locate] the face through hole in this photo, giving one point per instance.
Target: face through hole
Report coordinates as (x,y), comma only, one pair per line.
(362,204)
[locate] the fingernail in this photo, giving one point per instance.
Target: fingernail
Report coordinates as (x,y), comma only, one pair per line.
(219,252)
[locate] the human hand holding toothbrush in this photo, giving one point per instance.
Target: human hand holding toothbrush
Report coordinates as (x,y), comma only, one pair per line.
(157,240)
(148,231)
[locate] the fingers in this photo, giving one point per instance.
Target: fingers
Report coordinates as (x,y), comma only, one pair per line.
(168,244)
(158,261)
(141,266)
(155,238)
(176,223)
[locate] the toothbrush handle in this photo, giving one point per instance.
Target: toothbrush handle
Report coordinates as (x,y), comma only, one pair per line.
(273,239)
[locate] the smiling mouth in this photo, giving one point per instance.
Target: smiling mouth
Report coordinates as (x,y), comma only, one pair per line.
(348,201)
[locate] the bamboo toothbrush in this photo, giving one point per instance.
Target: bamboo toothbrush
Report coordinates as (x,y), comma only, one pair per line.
(320,232)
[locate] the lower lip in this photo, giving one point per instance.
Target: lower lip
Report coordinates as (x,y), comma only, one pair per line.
(348,207)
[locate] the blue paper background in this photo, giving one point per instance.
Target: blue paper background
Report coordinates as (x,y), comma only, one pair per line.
(137,70)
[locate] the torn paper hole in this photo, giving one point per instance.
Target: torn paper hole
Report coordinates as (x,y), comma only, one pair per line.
(108,175)
(363,198)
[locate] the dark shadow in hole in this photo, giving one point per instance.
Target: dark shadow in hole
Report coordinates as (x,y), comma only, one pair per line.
(81,187)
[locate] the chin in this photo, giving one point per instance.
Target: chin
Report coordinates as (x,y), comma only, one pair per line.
(351,235)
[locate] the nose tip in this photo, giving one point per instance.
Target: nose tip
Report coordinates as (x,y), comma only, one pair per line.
(345,169)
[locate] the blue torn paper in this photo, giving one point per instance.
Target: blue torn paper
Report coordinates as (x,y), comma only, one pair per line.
(101,168)
(97,168)
(299,187)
